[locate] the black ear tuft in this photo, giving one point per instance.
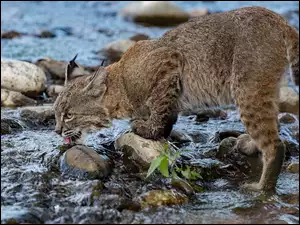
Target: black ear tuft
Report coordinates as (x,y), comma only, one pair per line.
(102,62)
(72,63)
(70,68)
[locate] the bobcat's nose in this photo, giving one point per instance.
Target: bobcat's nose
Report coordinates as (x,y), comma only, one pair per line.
(58,131)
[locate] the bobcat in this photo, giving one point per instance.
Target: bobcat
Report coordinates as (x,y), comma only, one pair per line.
(231,57)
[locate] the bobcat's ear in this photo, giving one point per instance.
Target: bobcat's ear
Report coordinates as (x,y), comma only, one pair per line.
(70,68)
(97,84)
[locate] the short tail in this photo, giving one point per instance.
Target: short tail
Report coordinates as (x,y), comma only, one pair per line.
(292,46)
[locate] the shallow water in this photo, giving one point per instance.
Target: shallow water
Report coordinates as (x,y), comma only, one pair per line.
(32,188)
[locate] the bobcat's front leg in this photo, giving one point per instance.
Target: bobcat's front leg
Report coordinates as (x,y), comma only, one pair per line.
(162,103)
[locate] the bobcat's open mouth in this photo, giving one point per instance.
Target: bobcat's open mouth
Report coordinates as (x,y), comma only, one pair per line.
(72,139)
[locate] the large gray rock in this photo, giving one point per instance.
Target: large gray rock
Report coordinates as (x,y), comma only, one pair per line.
(138,152)
(83,162)
(14,99)
(159,13)
(22,77)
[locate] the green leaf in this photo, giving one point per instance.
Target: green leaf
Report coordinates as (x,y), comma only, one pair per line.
(195,175)
(164,167)
(174,174)
(154,164)
(186,173)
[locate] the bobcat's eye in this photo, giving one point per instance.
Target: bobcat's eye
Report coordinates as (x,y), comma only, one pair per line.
(69,116)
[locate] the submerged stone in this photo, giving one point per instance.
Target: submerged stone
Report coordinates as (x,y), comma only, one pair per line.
(83,162)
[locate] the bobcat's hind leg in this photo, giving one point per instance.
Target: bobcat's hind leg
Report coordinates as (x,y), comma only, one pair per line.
(260,120)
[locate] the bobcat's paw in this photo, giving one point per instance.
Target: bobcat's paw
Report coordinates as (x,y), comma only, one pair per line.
(252,186)
(146,130)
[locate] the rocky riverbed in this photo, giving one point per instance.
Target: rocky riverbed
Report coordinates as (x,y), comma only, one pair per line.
(104,180)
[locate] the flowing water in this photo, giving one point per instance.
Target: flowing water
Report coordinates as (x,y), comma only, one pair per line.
(32,188)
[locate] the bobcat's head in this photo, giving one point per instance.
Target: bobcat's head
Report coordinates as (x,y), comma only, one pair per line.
(79,107)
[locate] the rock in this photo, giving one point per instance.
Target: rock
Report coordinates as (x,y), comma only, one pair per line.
(220,135)
(204,115)
(114,50)
(14,99)
(139,37)
(54,90)
(183,186)
(199,137)
(241,163)
(46,34)
(179,137)
(138,152)
(9,125)
(83,162)
(57,68)
(293,167)
(162,197)
(22,77)
(38,115)
(286,118)
(289,101)
(199,12)
(226,145)
(157,13)
(10,34)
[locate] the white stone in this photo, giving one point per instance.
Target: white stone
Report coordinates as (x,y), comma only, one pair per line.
(145,150)
(154,9)
(14,99)
(22,76)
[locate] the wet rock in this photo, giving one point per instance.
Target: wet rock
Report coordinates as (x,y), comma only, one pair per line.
(10,34)
(14,99)
(54,90)
(289,101)
(220,135)
(22,77)
(183,186)
(83,162)
(157,13)
(204,115)
(199,137)
(114,50)
(226,145)
(199,12)
(179,137)
(238,163)
(46,34)
(139,37)
(10,125)
(138,152)
(293,167)
(162,197)
(57,68)
(286,118)
(38,115)
(292,148)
